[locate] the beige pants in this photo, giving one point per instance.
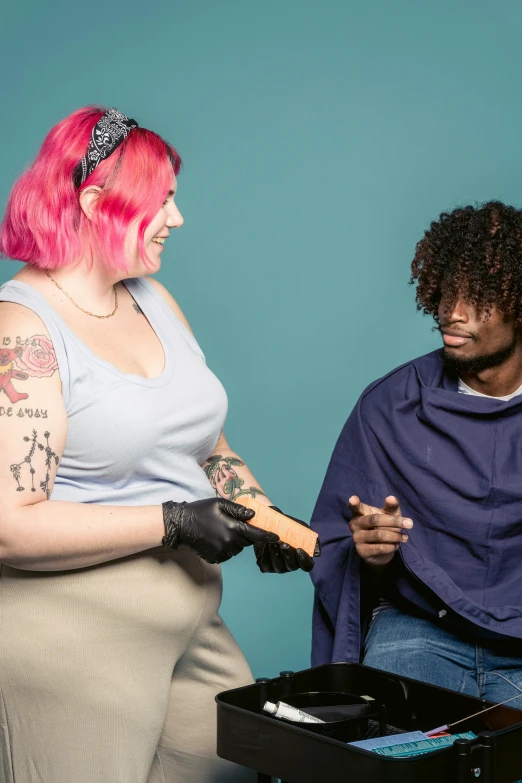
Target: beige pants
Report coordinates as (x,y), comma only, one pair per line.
(108,674)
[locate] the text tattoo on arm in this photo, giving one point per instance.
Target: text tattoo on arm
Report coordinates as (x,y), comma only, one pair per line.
(225,480)
(34,356)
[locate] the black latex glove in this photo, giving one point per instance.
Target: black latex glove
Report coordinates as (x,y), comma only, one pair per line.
(281,558)
(215,529)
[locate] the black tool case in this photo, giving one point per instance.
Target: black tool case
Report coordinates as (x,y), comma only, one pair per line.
(276,748)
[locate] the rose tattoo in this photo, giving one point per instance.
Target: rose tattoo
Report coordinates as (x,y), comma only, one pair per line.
(34,356)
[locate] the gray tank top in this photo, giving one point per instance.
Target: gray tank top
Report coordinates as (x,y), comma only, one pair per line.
(132,440)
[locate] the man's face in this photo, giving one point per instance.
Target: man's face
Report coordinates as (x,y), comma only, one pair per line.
(472,343)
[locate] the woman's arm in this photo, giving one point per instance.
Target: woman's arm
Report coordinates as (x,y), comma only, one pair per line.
(57,536)
(230,477)
(36,533)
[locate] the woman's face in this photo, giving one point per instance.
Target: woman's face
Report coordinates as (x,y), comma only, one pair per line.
(156,234)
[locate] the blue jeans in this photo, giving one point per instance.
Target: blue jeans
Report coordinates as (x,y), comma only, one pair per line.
(404,644)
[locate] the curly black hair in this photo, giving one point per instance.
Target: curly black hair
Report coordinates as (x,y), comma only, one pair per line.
(474,253)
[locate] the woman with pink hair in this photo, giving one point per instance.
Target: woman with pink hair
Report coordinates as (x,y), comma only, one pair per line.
(117,482)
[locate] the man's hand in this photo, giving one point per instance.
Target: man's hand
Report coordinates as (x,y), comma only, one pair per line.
(378,532)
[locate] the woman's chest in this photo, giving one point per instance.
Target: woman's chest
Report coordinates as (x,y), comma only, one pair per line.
(128,342)
(120,428)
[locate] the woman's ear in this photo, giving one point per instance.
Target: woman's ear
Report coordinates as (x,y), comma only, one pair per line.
(88,201)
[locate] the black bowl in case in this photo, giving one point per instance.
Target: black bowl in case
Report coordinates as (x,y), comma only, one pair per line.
(345,715)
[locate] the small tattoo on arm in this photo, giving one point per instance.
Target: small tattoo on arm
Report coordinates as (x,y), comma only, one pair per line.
(225,480)
(137,308)
(50,457)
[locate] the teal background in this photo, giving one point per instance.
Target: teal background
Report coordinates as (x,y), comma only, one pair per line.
(319,139)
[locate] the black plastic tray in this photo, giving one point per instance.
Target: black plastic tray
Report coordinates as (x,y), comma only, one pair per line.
(248,736)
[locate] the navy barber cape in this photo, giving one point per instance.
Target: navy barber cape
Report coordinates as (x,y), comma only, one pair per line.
(455,463)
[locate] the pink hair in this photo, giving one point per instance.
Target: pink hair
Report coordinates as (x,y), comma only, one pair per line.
(44,224)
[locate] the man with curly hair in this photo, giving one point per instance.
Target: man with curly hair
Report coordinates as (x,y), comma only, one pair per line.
(420,513)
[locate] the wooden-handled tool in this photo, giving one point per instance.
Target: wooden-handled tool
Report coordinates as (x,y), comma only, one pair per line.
(290,532)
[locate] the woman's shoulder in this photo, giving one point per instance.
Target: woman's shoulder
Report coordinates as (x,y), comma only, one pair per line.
(17,316)
(168,299)
(22,306)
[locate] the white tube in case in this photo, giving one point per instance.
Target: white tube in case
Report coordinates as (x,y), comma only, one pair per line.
(282,710)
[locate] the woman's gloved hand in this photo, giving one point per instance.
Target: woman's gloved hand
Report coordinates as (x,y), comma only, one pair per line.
(280,558)
(215,529)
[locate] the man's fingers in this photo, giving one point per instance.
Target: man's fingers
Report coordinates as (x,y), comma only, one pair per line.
(391,506)
(357,508)
(371,521)
(354,504)
(380,535)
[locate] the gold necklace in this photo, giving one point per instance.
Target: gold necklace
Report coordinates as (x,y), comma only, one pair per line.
(81,308)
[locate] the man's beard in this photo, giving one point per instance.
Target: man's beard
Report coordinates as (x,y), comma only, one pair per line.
(471,365)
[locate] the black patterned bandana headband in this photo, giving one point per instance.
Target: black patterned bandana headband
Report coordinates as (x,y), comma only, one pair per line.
(106,136)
